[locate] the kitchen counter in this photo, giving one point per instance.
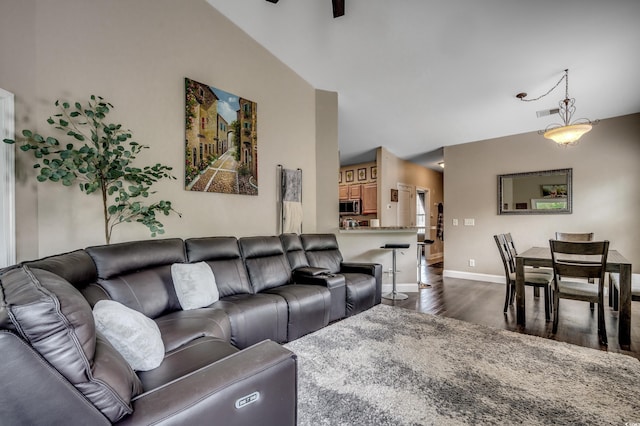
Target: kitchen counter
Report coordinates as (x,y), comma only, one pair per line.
(381,229)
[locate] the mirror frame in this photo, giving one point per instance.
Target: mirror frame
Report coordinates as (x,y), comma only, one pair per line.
(557,172)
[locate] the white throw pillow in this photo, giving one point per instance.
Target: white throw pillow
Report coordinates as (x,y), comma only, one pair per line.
(195,285)
(133,334)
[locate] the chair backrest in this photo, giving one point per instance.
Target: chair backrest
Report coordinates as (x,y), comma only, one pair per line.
(507,259)
(582,259)
(574,236)
(510,245)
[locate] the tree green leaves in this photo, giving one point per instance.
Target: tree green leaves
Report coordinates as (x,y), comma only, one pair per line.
(100,157)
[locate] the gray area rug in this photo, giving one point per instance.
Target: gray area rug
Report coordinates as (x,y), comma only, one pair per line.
(393,366)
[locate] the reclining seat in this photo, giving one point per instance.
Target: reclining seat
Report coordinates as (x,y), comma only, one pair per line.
(138,275)
(269,272)
(58,369)
(363,280)
(254,317)
(302,273)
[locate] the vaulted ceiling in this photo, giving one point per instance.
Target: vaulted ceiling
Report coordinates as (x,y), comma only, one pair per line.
(417,75)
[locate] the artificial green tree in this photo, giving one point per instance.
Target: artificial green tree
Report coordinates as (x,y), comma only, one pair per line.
(100,157)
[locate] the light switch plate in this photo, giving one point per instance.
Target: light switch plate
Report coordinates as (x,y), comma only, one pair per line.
(455,222)
(469,222)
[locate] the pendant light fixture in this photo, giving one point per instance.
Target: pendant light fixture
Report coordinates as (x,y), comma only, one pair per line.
(569,132)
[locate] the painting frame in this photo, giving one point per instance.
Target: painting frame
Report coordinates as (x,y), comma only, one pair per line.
(362,174)
(221,141)
(348,176)
(374,172)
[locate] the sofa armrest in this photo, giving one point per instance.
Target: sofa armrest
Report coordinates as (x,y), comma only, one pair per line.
(373,269)
(33,392)
(361,268)
(257,385)
(311,271)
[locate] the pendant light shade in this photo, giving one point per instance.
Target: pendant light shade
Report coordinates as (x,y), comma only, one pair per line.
(567,133)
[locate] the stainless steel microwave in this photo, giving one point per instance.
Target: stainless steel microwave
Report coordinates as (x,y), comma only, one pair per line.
(349,207)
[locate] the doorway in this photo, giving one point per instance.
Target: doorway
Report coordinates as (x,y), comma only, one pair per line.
(405,214)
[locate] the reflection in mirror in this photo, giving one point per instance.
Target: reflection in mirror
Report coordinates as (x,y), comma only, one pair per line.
(544,192)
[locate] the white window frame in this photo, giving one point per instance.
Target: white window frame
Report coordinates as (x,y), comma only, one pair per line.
(7,181)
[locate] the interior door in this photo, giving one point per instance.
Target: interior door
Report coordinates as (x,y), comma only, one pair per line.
(405,203)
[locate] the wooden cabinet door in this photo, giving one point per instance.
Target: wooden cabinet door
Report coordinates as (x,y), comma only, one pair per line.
(369,198)
(355,192)
(343,192)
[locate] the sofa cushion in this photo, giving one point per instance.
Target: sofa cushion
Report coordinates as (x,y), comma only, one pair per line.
(295,253)
(222,254)
(195,285)
(135,336)
(130,273)
(322,251)
(117,259)
(181,327)
(186,359)
(77,267)
(56,320)
(265,261)
(255,317)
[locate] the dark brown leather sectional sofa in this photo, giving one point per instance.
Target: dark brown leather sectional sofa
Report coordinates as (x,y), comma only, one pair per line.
(223,363)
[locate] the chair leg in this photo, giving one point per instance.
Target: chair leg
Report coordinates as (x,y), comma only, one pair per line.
(616,298)
(507,297)
(602,327)
(556,303)
(547,301)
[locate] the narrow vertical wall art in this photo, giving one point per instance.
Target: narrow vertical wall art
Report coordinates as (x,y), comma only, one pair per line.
(221,141)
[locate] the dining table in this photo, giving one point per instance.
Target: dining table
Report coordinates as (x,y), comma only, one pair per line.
(616,262)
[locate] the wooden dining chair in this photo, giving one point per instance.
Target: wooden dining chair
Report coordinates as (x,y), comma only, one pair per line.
(577,236)
(584,259)
(531,278)
(574,236)
(614,288)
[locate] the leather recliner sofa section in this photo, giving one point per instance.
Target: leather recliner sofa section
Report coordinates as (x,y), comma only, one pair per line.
(222,362)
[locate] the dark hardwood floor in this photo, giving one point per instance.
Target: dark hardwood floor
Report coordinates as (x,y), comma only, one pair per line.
(482,302)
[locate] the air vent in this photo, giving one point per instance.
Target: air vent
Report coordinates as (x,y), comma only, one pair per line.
(546,112)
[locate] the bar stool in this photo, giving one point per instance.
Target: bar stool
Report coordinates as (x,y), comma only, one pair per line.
(421,251)
(394,295)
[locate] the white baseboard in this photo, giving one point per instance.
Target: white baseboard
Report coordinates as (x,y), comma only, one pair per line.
(498,279)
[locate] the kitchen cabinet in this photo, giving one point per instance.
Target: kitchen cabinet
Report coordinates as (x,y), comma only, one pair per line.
(343,192)
(370,198)
(355,192)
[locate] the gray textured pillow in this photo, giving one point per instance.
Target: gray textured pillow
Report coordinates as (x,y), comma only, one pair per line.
(195,285)
(134,335)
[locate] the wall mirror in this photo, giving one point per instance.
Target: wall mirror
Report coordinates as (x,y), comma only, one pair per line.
(544,192)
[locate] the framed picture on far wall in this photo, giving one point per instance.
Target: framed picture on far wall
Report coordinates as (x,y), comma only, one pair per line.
(374,172)
(348,175)
(362,174)
(339,177)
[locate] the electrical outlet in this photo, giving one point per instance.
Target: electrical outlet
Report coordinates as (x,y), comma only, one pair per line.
(455,222)
(472,262)
(469,222)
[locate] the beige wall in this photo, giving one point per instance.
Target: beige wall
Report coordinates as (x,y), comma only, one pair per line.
(136,55)
(393,170)
(327,161)
(606,193)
